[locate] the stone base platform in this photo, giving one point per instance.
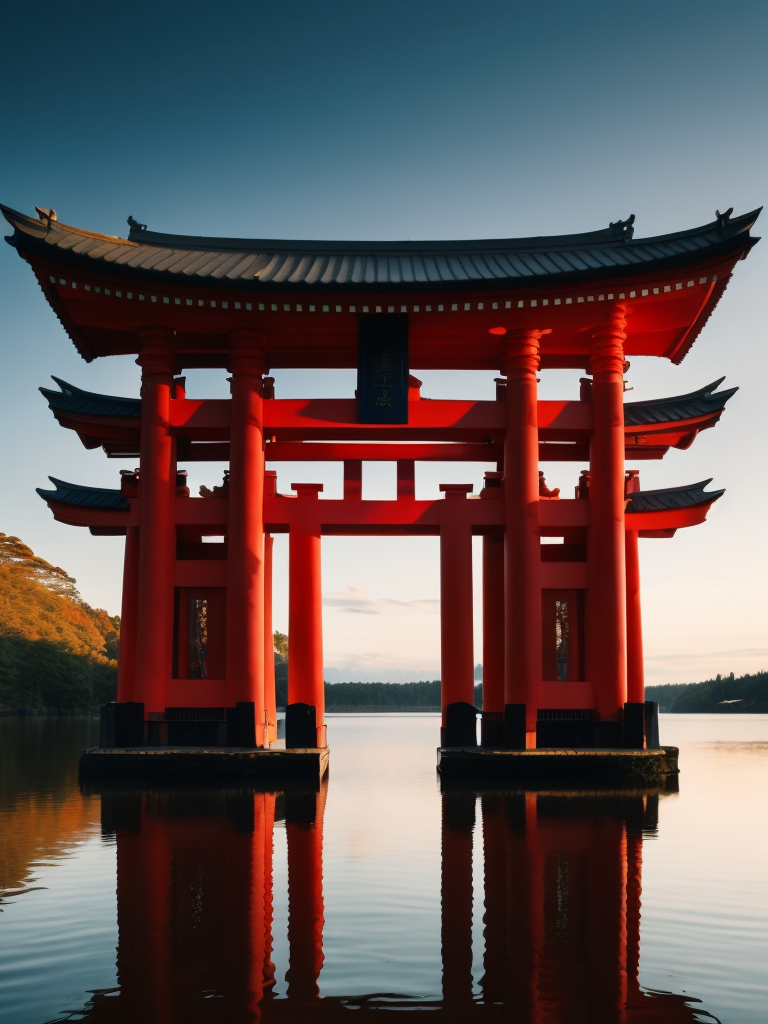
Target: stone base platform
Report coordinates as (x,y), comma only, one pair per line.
(204,764)
(550,764)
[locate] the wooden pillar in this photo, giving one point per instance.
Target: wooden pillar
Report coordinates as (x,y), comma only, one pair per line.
(245,532)
(492,727)
(129,610)
(457,687)
(456,899)
(635,665)
(157,530)
(522,571)
(608,625)
(270,699)
(305,617)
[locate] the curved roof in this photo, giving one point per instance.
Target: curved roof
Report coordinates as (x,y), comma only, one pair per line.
(365,266)
(683,407)
(85,497)
(669,498)
(72,400)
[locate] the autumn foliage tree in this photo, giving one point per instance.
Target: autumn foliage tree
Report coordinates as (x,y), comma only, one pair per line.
(56,652)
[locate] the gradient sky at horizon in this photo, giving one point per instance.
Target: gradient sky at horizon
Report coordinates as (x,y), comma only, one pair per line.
(407,120)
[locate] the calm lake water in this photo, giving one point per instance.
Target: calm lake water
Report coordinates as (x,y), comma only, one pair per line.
(382,893)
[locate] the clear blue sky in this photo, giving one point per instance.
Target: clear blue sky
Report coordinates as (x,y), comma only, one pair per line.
(405,120)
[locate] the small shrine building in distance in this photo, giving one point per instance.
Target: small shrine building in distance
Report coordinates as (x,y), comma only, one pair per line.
(562,638)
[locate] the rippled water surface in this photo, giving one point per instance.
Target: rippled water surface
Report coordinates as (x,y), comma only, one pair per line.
(380,893)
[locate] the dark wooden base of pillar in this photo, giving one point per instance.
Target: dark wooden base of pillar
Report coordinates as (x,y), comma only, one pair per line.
(203,765)
(549,764)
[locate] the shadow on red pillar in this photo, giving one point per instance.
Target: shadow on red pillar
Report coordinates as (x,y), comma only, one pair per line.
(635,665)
(270,697)
(492,725)
(304,828)
(129,611)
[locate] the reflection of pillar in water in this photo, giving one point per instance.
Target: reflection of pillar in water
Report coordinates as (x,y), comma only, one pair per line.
(606,895)
(304,829)
(525,906)
(193,903)
(456,897)
(261,968)
(495,917)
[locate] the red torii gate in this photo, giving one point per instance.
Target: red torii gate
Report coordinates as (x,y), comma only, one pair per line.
(581,301)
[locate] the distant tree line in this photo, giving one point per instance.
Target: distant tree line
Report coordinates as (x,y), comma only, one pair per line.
(731,694)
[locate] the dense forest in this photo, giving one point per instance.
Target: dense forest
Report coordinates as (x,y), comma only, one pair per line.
(722,695)
(56,652)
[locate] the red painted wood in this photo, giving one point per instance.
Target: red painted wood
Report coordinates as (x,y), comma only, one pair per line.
(157,549)
(270,705)
(493,622)
(635,663)
(129,611)
(245,562)
(521,499)
(456,626)
(607,644)
(305,613)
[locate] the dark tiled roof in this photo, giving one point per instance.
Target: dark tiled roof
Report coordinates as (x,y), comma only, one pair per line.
(669,498)
(86,497)
(303,265)
(683,407)
(73,400)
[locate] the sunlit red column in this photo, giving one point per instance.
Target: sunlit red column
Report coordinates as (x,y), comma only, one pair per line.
(304,832)
(157,530)
(635,664)
(608,647)
(522,545)
(245,532)
(270,702)
(129,611)
(456,625)
(305,611)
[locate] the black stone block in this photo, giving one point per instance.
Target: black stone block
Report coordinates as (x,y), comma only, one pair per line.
(300,725)
(652,725)
(514,726)
(241,724)
(634,726)
(460,725)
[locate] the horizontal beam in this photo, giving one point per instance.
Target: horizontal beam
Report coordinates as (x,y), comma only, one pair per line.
(298,451)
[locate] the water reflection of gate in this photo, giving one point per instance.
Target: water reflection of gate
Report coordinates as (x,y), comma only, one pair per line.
(562,887)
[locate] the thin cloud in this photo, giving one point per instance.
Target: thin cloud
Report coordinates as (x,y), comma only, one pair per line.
(358,601)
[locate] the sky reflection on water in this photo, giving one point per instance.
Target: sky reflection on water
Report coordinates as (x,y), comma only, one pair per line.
(382,891)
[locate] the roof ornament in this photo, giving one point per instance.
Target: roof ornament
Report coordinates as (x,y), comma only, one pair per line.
(46,216)
(723,218)
(135,226)
(623,228)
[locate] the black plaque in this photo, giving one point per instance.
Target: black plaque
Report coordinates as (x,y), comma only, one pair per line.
(382,368)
